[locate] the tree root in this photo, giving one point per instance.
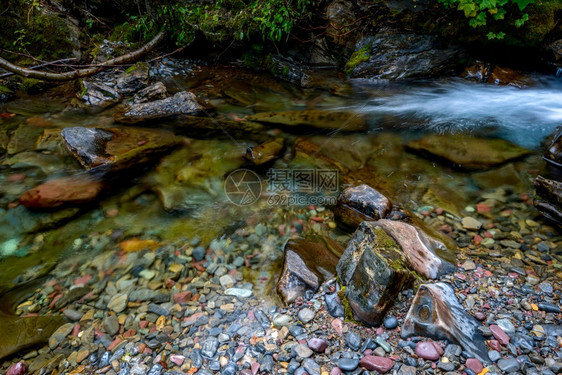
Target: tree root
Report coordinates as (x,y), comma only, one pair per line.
(86,72)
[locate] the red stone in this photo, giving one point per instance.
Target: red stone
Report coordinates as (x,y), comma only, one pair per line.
(317,344)
(16,177)
(114,344)
(74,190)
(255,368)
(76,330)
(475,365)
(17,369)
(376,363)
(336,371)
(482,208)
(495,345)
(182,297)
(177,359)
(83,280)
(337,325)
(427,350)
(477,240)
(499,334)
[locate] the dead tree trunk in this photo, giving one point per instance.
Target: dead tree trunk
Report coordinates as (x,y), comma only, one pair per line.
(86,72)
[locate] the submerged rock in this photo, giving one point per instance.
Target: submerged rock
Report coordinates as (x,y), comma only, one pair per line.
(395,55)
(553,154)
(307,263)
(373,270)
(78,189)
(182,103)
(156,91)
(343,120)
(419,248)
(117,148)
(549,198)
(468,152)
(265,152)
(205,127)
(359,203)
(436,313)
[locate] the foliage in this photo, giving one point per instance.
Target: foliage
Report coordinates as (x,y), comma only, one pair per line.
(479,12)
(234,19)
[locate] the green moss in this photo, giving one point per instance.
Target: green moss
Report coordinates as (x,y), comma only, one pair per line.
(5,90)
(357,58)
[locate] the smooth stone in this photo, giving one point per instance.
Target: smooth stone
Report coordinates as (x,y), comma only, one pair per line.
(390,322)
(306,315)
(238,292)
(118,303)
(471,223)
(377,363)
(303,351)
(506,326)
(348,364)
(474,364)
(318,345)
(353,340)
(18,368)
(282,320)
(427,350)
(549,307)
(59,335)
(509,365)
(494,355)
(111,325)
(311,367)
(383,344)
(499,334)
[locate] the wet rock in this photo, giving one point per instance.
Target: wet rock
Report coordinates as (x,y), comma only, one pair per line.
(467,152)
(118,303)
(207,127)
(373,271)
(359,203)
(548,307)
(23,139)
(348,121)
(182,103)
(117,148)
(394,55)
(494,74)
(418,248)
(353,341)
(290,71)
(549,198)
(436,313)
(471,223)
(306,264)
(318,345)
(475,365)
(97,94)
(133,79)
(265,152)
(348,364)
(74,190)
(390,322)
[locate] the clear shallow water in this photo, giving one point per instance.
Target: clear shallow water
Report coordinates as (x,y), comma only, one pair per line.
(522,115)
(134,209)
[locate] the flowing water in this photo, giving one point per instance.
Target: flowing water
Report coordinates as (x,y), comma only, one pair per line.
(133,206)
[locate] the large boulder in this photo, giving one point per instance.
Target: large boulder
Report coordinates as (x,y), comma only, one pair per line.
(467,152)
(419,249)
(307,263)
(373,270)
(395,55)
(182,103)
(133,79)
(116,148)
(436,312)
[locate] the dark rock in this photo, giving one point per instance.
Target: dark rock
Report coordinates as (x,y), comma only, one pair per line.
(333,305)
(419,248)
(394,55)
(306,264)
(265,152)
(373,270)
(209,348)
(348,121)
(133,79)
(182,103)
(96,94)
(353,340)
(74,190)
(311,366)
(116,148)
(436,313)
(376,363)
(467,152)
(348,364)
(156,91)
(549,307)
(155,370)
(553,154)
(144,295)
(509,365)
(359,203)
(549,198)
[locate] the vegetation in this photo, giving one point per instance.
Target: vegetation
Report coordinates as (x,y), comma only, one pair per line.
(480,12)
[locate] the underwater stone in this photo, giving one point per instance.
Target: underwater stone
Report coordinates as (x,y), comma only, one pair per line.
(359,203)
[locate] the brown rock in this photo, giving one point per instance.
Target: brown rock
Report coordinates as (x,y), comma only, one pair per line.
(344,120)
(306,264)
(265,152)
(377,363)
(76,189)
(359,203)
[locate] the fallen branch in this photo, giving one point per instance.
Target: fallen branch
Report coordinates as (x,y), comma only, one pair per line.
(42,66)
(81,73)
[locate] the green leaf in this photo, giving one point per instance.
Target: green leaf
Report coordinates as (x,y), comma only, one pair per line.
(522,4)
(479,20)
(500,15)
(469,8)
